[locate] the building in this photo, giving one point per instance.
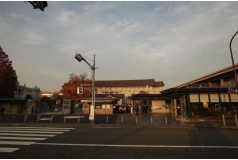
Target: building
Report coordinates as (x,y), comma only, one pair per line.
(24,92)
(49,93)
(24,100)
(129,87)
(211,94)
(113,93)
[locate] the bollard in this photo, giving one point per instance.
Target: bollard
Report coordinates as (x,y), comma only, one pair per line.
(166,120)
(236,120)
(224,121)
(136,119)
(25,118)
(122,119)
(107,119)
(151,119)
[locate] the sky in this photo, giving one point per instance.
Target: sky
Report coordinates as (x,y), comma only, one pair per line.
(170,41)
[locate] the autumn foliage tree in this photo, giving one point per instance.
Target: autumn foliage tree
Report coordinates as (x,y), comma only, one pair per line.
(69,90)
(8,77)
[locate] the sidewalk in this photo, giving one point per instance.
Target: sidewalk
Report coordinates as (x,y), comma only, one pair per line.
(146,119)
(126,120)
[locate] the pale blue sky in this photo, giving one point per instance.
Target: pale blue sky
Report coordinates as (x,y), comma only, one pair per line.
(174,42)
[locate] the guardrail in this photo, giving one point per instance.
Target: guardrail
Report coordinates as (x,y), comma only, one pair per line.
(73,117)
(45,118)
(231,117)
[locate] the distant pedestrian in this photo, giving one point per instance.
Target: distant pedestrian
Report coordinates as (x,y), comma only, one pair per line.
(32,109)
(121,109)
(145,108)
(137,110)
(124,109)
(2,110)
(142,108)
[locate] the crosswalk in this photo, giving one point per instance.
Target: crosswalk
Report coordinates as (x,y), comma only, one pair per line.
(12,138)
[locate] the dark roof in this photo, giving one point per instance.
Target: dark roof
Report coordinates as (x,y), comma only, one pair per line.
(146,96)
(194,90)
(128,83)
(208,76)
(13,100)
(119,96)
(109,96)
(105,97)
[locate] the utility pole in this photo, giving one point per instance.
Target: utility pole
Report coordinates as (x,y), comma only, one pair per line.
(80,58)
(91,116)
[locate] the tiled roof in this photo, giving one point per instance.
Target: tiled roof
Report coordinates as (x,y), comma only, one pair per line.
(128,83)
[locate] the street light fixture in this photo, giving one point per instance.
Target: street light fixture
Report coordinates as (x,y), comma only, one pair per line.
(80,58)
(39,4)
(233,62)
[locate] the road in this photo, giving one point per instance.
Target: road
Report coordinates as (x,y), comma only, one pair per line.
(96,142)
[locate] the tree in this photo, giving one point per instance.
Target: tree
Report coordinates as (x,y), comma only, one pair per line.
(69,90)
(8,77)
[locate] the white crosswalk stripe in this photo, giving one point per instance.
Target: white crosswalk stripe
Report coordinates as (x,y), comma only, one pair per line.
(30,135)
(4,149)
(21,136)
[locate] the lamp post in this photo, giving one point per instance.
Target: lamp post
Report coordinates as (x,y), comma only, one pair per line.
(80,58)
(233,62)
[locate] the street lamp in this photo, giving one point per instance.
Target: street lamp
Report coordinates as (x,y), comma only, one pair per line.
(39,4)
(233,61)
(80,58)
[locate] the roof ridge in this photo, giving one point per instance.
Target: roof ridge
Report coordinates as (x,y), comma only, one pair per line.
(127,80)
(207,76)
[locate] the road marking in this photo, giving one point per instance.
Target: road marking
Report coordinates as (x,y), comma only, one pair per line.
(23,138)
(13,131)
(4,149)
(37,127)
(16,142)
(25,135)
(135,146)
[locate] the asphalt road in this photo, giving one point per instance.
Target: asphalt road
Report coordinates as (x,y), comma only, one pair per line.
(97,142)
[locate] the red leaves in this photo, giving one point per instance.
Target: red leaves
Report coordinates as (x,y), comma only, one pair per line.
(69,90)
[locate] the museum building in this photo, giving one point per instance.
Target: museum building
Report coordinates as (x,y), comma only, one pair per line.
(114,93)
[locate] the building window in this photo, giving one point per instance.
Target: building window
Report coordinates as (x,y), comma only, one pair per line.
(214,98)
(19,92)
(204,98)
(194,98)
(234,97)
(224,97)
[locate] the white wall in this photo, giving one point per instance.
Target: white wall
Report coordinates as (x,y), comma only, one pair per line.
(159,107)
